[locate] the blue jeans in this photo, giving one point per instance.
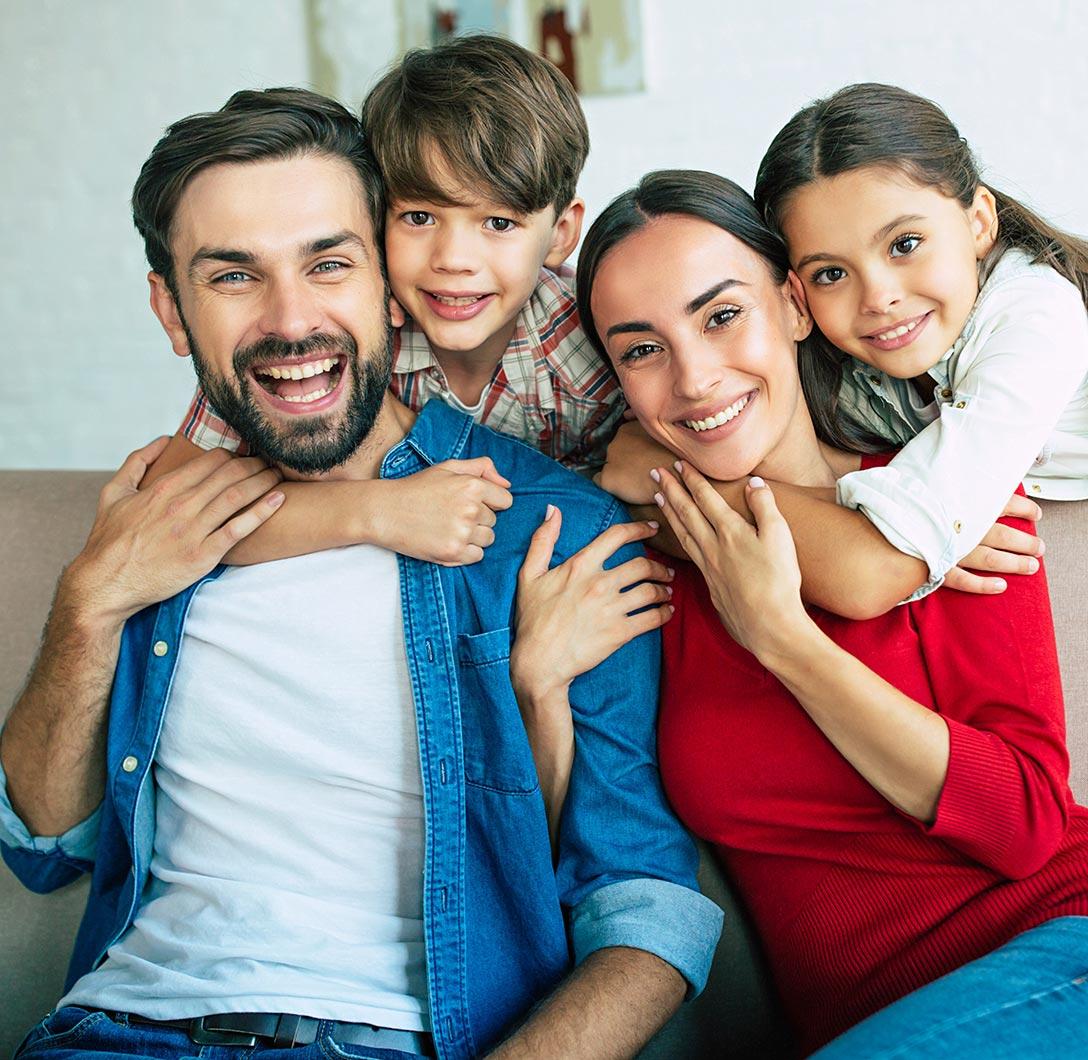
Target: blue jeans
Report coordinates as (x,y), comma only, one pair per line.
(74,1032)
(1027,999)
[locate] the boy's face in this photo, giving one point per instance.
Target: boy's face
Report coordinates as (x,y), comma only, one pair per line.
(464,272)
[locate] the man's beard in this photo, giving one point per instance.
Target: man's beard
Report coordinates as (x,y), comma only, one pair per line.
(305,444)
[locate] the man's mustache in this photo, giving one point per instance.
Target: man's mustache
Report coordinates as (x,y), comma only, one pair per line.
(273,348)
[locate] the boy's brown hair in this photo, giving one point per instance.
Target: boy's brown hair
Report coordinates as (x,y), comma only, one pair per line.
(505,123)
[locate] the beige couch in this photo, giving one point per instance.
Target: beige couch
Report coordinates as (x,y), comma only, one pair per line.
(43,520)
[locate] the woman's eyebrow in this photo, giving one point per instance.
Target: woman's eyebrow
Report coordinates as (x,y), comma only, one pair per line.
(627,327)
(701,300)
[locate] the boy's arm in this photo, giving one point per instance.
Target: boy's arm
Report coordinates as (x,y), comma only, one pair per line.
(443,514)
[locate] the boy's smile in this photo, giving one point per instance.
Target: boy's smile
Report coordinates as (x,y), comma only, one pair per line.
(464,272)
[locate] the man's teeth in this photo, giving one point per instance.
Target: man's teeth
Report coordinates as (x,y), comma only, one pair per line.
(446,299)
(300,371)
(313,396)
(719,418)
(895,333)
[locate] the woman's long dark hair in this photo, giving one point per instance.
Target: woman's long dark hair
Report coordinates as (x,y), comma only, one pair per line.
(884,126)
(705,197)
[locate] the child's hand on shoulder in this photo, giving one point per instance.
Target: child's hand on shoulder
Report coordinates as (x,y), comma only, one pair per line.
(444,514)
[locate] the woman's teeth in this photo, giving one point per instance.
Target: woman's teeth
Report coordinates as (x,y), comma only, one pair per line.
(719,418)
(296,371)
(895,333)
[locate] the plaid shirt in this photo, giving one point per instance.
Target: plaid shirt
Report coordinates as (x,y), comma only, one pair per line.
(551,389)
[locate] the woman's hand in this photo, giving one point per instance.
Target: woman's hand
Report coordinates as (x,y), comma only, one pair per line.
(751,572)
(626,473)
(569,619)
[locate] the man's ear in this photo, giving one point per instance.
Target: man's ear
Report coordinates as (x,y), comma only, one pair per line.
(397,315)
(799,306)
(166,309)
(982,216)
(566,232)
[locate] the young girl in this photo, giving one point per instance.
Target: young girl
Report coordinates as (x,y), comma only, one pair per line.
(953,320)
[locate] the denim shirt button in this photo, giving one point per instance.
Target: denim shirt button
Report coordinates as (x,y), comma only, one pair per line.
(130,763)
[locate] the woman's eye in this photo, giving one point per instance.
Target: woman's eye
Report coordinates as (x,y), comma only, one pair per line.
(418,218)
(638,351)
(722,316)
(829,275)
(904,245)
(500,224)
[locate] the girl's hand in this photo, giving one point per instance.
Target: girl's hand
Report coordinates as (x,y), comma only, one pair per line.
(752,572)
(1004,550)
(569,619)
(631,454)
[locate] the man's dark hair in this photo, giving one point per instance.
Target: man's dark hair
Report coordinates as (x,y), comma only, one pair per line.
(251,126)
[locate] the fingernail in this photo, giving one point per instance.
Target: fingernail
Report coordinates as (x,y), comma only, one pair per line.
(668,590)
(550,512)
(659,500)
(671,610)
(275,499)
(653,524)
(655,474)
(1000,585)
(1041,549)
(672,573)
(756,482)
(1033,564)
(679,466)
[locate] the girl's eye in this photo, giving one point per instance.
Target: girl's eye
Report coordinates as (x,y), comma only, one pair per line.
(831,274)
(905,245)
(638,352)
(418,218)
(500,224)
(722,316)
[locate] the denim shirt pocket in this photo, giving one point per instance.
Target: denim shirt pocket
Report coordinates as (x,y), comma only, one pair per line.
(496,749)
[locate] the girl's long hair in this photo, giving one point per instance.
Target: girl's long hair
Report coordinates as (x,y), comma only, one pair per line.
(884,126)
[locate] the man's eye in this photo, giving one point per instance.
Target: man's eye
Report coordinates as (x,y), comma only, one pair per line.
(500,224)
(905,245)
(831,274)
(329,266)
(418,218)
(232,277)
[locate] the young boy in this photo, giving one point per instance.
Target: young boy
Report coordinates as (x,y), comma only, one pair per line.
(480,144)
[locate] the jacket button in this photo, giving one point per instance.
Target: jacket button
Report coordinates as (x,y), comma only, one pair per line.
(129,763)
(160,648)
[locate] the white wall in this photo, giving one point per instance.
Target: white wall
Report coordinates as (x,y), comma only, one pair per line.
(89,87)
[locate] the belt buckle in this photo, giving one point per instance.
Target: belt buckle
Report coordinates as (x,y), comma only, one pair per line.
(202,1034)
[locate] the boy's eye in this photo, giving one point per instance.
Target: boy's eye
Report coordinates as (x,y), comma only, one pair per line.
(829,275)
(722,316)
(904,245)
(500,224)
(418,218)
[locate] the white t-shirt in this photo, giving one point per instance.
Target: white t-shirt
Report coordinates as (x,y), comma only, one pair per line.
(288,860)
(1010,405)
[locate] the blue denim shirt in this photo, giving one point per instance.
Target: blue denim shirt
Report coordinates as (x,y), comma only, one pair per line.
(502,926)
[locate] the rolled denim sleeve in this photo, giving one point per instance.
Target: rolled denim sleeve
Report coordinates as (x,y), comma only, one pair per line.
(672,922)
(944,490)
(75,848)
(626,865)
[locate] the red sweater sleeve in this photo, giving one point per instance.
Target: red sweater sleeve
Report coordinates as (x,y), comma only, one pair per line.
(993,666)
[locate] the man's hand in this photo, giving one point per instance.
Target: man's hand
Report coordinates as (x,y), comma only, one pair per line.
(443,514)
(147,545)
(1004,550)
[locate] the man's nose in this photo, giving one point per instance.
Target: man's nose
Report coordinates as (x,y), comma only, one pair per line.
(291,311)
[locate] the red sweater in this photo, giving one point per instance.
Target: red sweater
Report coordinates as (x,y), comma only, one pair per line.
(856,903)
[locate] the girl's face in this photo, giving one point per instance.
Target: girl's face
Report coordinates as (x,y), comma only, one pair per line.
(704,343)
(889,266)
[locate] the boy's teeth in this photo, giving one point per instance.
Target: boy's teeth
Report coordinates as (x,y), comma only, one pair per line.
(296,371)
(460,300)
(718,418)
(895,333)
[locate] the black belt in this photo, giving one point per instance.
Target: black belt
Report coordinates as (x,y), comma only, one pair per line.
(277,1030)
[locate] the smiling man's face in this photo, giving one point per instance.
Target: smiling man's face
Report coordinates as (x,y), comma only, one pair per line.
(282,304)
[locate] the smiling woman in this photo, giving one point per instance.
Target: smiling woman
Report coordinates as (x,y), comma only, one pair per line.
(891,809)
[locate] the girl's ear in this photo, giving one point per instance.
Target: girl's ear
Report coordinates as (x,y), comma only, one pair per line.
(166,309)
(982,216)
(799,305)
(565,234)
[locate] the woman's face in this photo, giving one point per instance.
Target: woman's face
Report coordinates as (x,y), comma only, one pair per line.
(704,342)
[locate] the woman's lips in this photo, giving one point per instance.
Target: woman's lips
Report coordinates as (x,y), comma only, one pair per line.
(717,422)
(452,306)
(914,327)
